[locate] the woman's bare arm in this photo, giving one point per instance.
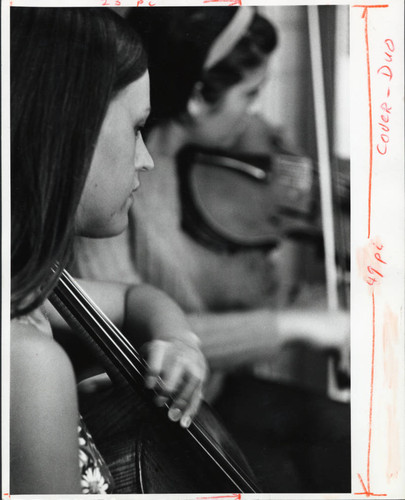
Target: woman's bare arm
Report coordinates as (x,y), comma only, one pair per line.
(44,456)
(233,339)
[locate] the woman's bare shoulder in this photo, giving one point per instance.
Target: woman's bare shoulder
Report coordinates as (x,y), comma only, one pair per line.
(43,414)
(28,343)
(38,363)
(39,367)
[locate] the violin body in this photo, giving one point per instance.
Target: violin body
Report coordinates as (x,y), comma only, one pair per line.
(248,196)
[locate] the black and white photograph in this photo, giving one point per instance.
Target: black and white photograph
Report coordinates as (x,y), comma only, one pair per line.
(204,275)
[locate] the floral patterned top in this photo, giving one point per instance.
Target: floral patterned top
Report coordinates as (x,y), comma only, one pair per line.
(95,475)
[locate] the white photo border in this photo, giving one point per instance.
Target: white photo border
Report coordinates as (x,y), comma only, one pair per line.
(377,244)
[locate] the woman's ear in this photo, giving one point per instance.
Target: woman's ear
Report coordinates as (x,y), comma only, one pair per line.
(197,106)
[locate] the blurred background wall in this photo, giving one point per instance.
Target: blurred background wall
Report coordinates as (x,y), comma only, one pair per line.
(287,99)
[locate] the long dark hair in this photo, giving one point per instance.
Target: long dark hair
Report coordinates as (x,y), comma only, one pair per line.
(66,66)
(178,40)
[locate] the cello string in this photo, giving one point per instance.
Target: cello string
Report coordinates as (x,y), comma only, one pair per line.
(70,313)
(213,445)
(89,305)
(106,329)
(111,332)
(97,316)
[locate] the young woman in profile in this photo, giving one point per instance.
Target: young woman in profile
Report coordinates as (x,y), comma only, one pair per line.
(79,101)
(207,66)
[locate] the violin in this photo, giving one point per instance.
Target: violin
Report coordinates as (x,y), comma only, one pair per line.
(144,450)
(249,196)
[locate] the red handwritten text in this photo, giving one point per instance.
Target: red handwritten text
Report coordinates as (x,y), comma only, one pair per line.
(385,71)
(115,3)
(230,3)
(375,268)
(139,3)
(371,262)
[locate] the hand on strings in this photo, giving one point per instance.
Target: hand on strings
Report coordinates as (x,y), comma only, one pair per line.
(177,371)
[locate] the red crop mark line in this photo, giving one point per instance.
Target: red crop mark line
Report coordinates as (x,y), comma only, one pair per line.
(230,4)
(370,112)
(372,6)
(236,496)
(366,488)
(370,416)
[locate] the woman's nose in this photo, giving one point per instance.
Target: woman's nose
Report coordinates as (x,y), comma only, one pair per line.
(143,160)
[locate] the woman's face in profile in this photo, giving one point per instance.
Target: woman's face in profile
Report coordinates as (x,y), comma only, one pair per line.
(119,156)
(220,124)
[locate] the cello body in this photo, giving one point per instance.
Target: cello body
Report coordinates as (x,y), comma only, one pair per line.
(145,451)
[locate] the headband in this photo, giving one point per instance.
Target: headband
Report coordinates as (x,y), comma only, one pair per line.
(230,36)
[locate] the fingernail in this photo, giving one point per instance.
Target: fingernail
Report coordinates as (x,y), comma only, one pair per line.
(185,422)
(174,414)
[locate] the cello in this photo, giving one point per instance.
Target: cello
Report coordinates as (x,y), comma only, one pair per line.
(147,453)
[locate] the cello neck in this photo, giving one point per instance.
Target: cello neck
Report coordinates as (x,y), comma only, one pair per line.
(87,319)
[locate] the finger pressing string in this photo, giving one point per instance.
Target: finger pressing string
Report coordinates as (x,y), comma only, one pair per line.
(173,377)
(192,409)
(184,396)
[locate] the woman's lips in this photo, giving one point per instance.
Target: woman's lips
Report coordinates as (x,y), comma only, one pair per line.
(131,197)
